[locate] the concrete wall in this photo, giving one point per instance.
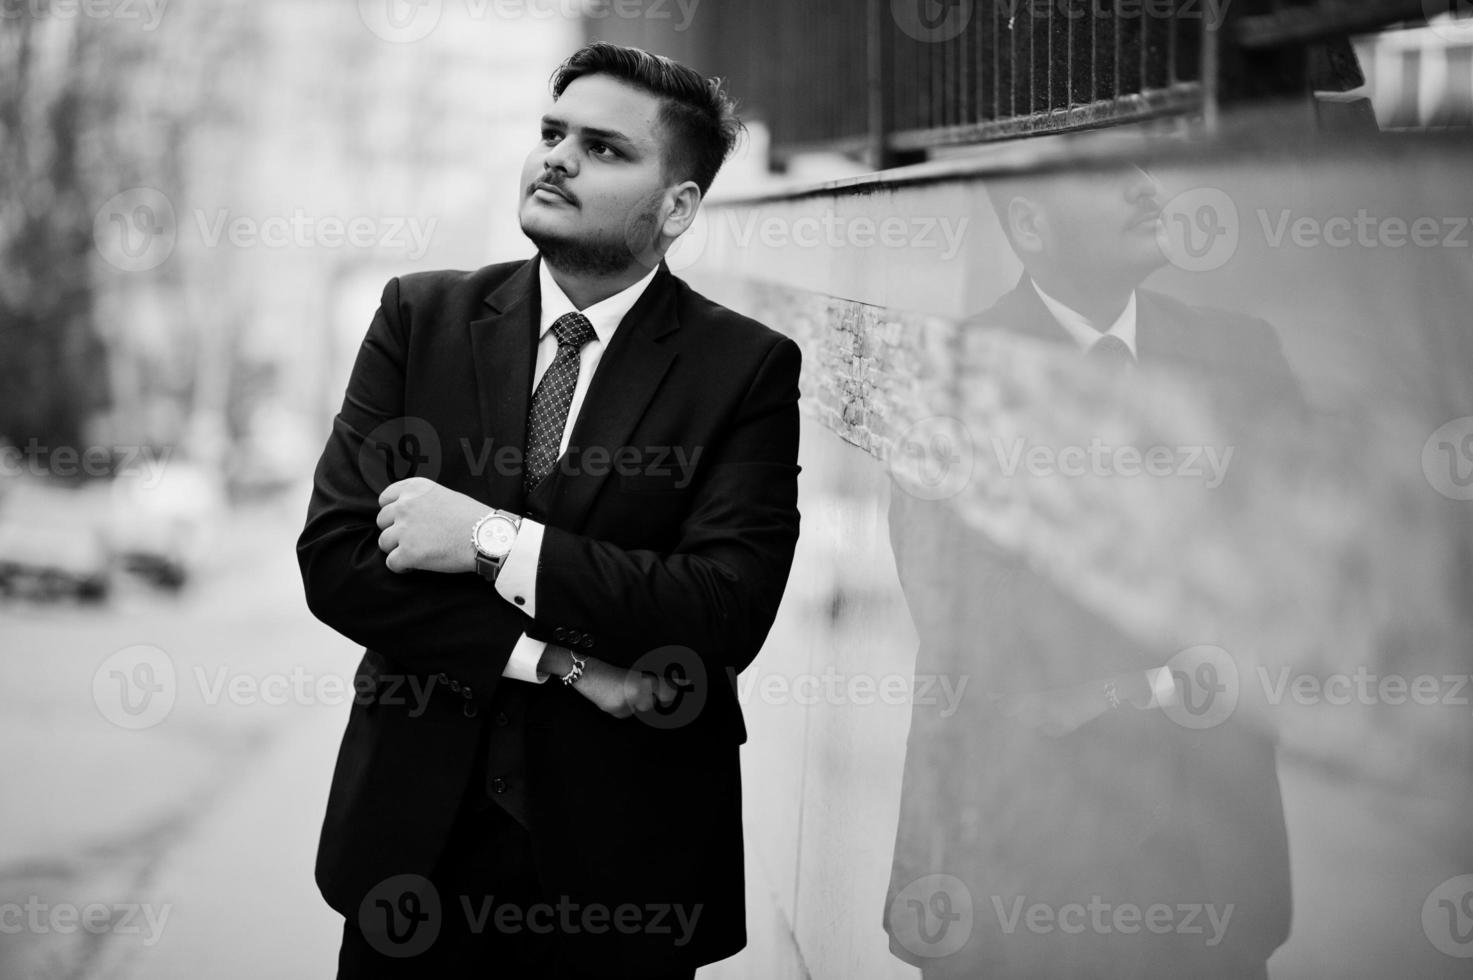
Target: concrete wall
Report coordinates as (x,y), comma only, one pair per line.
(1337,543)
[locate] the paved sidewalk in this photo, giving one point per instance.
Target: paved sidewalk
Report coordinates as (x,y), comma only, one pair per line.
(242,902)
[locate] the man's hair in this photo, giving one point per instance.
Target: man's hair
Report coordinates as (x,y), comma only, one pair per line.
(699,120)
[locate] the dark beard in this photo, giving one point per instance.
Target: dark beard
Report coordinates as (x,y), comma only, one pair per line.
(584,258)
(605,258)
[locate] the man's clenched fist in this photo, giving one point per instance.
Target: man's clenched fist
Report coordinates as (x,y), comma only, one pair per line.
(428,527)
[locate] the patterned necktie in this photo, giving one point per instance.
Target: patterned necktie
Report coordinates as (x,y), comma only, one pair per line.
(1111,354)
(554,394)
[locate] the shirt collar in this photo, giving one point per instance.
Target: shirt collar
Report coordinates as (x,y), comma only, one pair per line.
(605,315)
(1084,333)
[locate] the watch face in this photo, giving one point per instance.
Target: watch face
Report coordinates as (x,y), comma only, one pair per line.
(496,536)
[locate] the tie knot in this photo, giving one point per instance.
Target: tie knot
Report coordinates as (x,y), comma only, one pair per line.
(573,330)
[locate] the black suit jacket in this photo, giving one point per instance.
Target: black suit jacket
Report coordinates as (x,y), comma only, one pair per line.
(635,558)
(1129,807)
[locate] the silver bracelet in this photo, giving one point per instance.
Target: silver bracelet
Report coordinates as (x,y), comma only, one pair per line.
(1112,694)
(576,671)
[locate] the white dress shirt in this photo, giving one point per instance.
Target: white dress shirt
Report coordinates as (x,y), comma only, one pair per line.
(1086,335)
(517,581)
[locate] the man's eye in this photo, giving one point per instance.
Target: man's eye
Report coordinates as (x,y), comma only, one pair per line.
(602,150)
(551,136)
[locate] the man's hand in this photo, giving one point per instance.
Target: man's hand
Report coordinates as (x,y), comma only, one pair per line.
(622,692)
(427,527)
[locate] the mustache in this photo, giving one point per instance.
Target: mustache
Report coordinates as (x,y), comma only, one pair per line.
(548,180)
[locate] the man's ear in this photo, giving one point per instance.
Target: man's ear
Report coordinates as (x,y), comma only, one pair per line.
(683,201)
(1028,224)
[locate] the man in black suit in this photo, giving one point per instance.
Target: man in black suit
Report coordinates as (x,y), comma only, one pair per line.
(571,468)
(1070,792)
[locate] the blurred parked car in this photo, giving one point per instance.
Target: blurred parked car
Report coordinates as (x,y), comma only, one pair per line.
(51,543)
(162,519)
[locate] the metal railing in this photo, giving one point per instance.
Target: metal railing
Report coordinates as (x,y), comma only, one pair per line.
(892,79)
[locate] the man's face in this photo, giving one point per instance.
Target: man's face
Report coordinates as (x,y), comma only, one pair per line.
(1100,225)
(594,185)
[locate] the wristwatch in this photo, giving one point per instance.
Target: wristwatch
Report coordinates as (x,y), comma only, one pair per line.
(493,536)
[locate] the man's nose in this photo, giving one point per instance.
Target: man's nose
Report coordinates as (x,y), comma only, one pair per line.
(1141,185)
(561,157)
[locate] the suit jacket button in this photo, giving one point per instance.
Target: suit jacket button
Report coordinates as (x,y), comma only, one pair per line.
(587,640)
(444,679)
(498,785)
(455,686)
(560,634)
(465,692)
(501,719)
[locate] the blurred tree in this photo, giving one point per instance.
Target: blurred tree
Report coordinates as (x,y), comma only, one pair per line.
(52,372)
(91,107)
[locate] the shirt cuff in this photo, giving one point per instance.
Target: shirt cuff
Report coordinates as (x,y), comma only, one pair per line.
(1163,686)
(522,665)
(517,580)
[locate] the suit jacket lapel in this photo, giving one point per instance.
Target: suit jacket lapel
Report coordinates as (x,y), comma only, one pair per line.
(1159,337)
(628,375)
(503,346)
(1020,311)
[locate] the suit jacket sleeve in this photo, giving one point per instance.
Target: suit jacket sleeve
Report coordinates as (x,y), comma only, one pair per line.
(717,591)
(423,621)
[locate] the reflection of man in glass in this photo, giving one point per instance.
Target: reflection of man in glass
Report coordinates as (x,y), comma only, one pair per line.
(1063,825)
